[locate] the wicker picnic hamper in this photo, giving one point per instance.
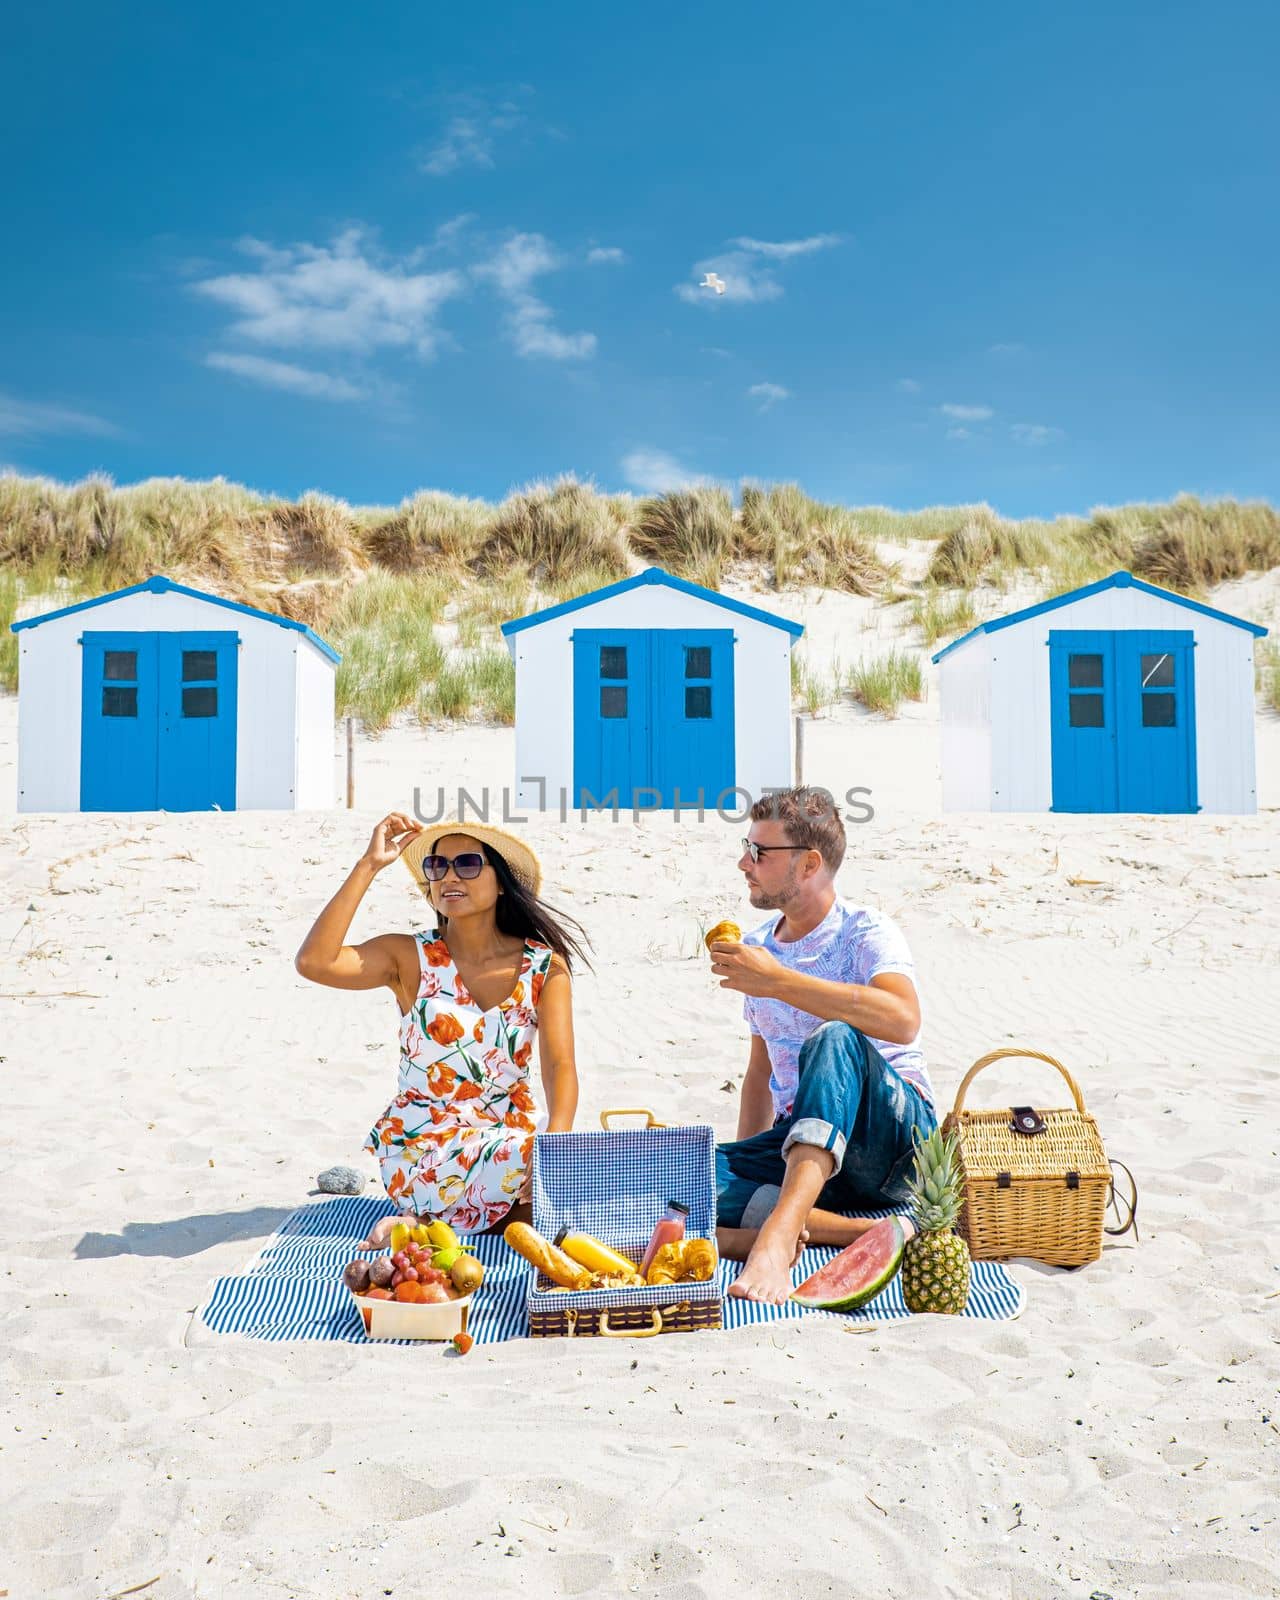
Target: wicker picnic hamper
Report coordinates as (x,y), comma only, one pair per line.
(1035,1182)
(615,1186)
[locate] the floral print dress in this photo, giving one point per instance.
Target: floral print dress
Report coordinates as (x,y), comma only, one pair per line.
(455,1142)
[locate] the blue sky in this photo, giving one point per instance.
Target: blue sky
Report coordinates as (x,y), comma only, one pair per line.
(1023,253)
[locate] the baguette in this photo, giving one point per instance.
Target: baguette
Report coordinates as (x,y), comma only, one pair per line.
(542,1254)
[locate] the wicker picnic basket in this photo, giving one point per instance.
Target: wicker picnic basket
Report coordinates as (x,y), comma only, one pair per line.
(1035,1182)
(615,1186)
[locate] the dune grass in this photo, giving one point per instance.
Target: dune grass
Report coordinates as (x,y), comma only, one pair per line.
(883,682)
(807,541)
(550,530)
(690,532)
(940,616)
(1266,672)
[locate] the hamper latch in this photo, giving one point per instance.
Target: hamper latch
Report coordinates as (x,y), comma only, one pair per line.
(1026,1119)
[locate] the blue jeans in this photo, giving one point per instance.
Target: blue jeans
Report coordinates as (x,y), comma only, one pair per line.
(849,1101)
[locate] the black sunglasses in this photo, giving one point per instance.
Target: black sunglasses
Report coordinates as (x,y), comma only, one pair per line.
(755,851)
(467,865)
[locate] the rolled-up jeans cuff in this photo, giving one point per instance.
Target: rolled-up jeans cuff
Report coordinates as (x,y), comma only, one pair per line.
(813,1130)
(760,1205)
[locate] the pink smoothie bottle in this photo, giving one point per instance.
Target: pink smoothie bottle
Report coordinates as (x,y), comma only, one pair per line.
(669,1230)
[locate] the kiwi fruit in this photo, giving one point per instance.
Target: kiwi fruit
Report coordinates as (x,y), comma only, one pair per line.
(467,1274)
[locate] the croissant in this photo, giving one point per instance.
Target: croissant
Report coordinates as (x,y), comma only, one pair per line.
(728,931)
(685,1261)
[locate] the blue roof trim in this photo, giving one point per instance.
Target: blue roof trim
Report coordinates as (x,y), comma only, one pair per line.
(168,586)
(652,575)
(1117,580)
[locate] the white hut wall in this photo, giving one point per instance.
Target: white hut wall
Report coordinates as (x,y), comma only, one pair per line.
(314,728)
(965,691)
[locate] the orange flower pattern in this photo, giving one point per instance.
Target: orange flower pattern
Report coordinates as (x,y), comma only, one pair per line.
(456,1141)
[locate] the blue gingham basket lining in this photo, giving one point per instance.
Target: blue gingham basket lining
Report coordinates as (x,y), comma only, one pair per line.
(615,1186)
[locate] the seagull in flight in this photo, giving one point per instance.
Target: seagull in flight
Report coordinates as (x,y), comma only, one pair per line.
(711,281)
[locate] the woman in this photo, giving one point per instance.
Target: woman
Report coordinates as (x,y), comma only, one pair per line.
(473,993)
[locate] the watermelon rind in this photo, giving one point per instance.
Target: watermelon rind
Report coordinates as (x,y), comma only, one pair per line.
(840,1287)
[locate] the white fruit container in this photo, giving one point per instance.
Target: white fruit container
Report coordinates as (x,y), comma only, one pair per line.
(399,1319)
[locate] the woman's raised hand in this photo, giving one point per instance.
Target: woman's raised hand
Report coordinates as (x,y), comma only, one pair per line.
(389,838)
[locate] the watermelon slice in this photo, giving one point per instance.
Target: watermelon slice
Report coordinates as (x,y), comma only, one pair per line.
(858,1273)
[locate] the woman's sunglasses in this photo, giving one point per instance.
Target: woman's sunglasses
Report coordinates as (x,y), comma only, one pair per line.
(469,865)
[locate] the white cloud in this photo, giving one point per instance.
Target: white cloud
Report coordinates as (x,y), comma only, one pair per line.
(769,394)
(1035,433)
(749,270)
(907,386)
(524,258)
(338,296)
(30,418)
(469,139)
(784,250)
(606,255)
(281,375)
(1012,349)
(967,413)
(449,233)
(959,433)
(657,472)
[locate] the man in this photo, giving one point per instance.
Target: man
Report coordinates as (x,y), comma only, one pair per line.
(836,1081)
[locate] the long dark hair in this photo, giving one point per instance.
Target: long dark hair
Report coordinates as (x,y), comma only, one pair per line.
(523,915)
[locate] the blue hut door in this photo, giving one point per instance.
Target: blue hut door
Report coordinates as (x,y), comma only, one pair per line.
(652,716)
(158,721)
(1122,705)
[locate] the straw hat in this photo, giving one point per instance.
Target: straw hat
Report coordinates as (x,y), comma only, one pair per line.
(525,866)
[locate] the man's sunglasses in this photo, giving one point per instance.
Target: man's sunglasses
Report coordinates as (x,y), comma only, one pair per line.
(755,851)
(468,865)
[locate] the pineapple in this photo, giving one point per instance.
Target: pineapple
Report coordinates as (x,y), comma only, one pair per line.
(935,1264)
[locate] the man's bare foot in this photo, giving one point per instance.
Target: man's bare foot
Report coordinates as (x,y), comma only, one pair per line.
(380,1234)
(767,1274)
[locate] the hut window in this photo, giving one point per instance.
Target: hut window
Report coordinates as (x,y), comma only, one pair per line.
(199,666)
(1086,711)
(697,661)
(1084,672)
(1159,711)
(697,700)
(613,702)
(1157,672)
(200,702)
(118,702)
(120,664)
(613,663)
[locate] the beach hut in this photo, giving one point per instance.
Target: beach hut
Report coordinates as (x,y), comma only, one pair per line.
(164,698)
(654,689)
(1119,696)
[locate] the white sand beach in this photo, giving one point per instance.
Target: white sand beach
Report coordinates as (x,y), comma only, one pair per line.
(171,1087)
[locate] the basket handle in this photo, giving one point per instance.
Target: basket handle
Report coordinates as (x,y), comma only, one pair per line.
(631,1111)
(1015,1050)
(606,1332)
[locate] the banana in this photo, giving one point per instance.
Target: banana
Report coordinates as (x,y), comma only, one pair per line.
(442,1236)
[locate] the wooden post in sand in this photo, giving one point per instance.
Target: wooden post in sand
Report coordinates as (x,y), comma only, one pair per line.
(351,766)
(799,748)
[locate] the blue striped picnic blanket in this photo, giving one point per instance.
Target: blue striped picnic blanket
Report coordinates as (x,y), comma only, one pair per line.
(292,1289)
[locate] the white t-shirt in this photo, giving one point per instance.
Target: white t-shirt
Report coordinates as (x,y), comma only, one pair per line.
(850,945)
